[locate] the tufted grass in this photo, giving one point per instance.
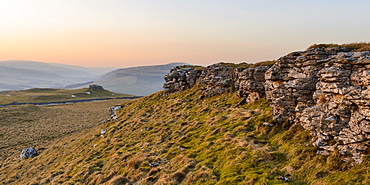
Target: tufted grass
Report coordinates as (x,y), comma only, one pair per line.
(359,46)
(195,141)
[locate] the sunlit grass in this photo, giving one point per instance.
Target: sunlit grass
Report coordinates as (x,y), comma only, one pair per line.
(181,139)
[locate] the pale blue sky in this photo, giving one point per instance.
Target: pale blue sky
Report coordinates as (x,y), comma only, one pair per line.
(124,33)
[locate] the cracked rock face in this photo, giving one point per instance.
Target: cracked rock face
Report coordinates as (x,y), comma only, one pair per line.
(250,82)
(328,96)
(326,90)
(180,79)
(217,79)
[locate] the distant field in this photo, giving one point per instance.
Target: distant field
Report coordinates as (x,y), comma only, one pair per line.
(38,95)
(38,126)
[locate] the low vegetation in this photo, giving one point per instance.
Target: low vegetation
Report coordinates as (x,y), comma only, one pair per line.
(38,126)
(360,46)
(264,63)
(180,139)
(242,65)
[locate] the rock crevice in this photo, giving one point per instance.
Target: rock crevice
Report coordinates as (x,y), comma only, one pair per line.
(324,89)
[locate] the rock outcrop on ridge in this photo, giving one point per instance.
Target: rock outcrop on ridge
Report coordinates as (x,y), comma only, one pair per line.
(217,79)
(325,89)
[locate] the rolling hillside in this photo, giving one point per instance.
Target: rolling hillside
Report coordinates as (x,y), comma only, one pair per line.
(266,123)
(142,80)
(17,75)
(181,139)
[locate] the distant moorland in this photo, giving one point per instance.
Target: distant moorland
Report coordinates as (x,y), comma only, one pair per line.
(39,95)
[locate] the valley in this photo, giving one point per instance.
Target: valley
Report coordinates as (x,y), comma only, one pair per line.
(140,80)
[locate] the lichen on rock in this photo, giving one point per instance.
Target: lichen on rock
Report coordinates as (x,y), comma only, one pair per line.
(325,89)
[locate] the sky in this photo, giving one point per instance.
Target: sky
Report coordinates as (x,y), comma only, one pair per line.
(126,33)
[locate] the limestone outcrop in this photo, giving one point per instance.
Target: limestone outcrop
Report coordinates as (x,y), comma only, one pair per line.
(325,89)
(180,79)
(217,79)
(250,82)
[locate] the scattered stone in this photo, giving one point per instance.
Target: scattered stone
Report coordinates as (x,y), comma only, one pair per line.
(28,152)
(181,147)
(115,118)
(103,131)
(113,112)
(286,179)
(146,129)
(106,121)
(268,124)
(154,164)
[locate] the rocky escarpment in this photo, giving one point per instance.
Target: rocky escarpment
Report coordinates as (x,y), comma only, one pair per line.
(180,79)
(325,89)
(219,78)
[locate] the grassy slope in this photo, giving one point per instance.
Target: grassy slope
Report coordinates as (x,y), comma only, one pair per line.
(37,95)
(38,126)
(210,141)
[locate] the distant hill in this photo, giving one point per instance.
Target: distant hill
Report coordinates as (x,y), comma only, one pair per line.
(18,74)
(142,80)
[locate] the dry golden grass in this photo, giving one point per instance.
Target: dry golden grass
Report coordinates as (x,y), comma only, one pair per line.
(208,141)
(38,126)
(359,46)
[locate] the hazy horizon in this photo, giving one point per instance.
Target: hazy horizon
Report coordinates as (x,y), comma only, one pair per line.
(125,33)
(57,64)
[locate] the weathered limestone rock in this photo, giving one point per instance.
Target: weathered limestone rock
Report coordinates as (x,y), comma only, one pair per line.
(250,82)
(217,79)
(180,79)
(28,152)
(326,90)
(328,96)
(113,112)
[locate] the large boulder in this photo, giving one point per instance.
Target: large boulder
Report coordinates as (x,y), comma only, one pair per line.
(28,152)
